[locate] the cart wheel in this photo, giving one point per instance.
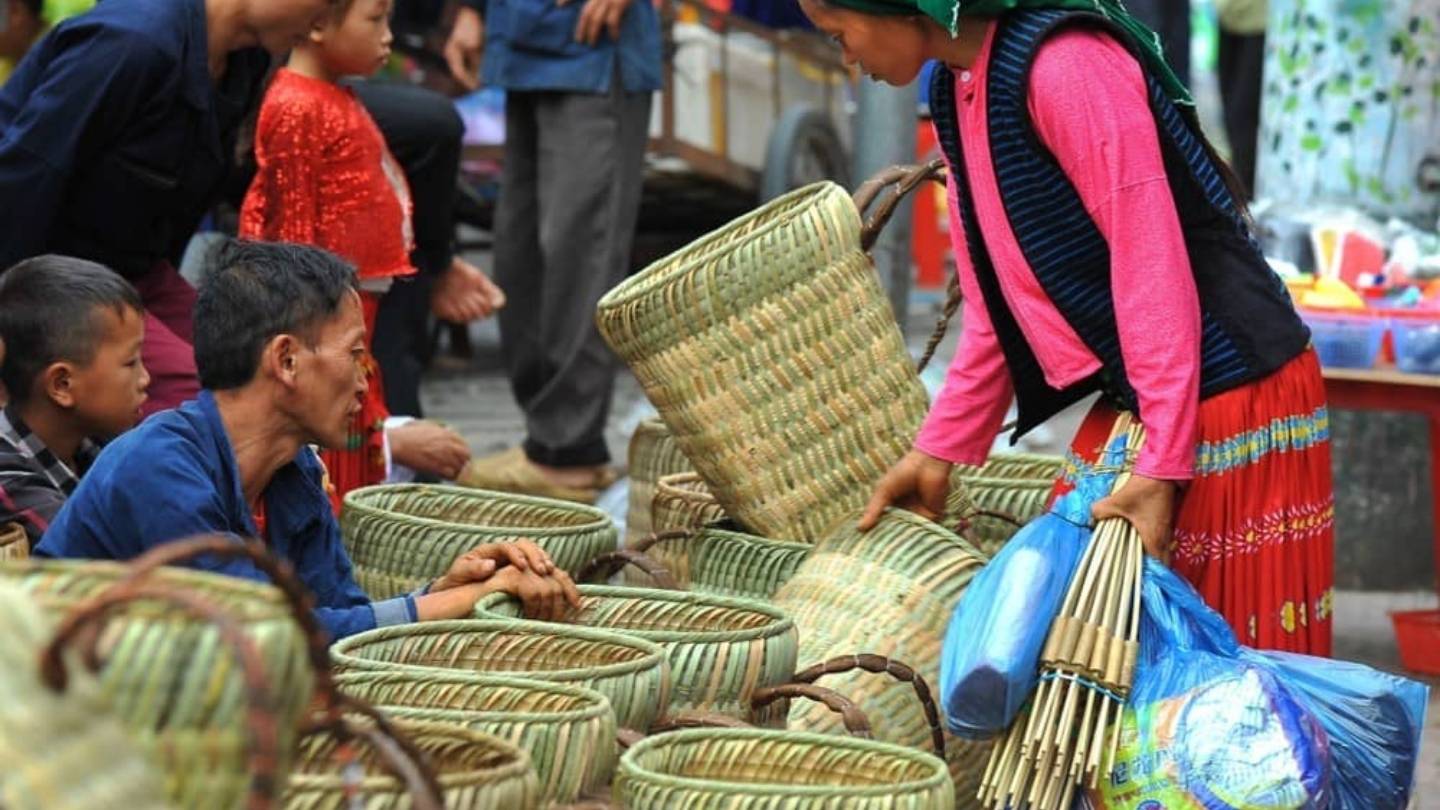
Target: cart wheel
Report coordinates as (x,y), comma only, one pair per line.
(804,148)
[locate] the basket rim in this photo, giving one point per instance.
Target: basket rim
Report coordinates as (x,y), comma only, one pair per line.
(254,601)
(597,705)
(12,533)
(518,765)
(673,486)
(654,656)
(682,260)
(355,500)
(939,770)
(779,622)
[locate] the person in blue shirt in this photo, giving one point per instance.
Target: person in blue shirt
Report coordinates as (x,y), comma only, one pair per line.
(578,77)
(117,133)
(279,338)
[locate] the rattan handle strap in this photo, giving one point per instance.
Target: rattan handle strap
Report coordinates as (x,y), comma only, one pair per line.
(398,754)
(881,665)
(282,575)
(262,725)
(856,723)
(905,179)
(609,563)
(679,720)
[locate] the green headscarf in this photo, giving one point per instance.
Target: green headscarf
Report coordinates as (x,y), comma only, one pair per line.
(949,12)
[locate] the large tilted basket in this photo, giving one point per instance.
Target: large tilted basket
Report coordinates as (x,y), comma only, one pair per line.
(721,650)
(49,737)
(889,591)
(720,560)
(474,770)
(14,543)
(763,769)
(568,731)
(653,455)
(170,676)
(400,537)
(771,351)
(633,674)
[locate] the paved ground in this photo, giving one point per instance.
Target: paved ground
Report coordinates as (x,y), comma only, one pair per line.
(474,397)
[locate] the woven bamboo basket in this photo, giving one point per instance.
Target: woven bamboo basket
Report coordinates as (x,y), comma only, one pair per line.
(474,770)
(771,351)
(890,592)
(633,674)
(653,455)
(683,501)
(720,649)
(765,769)
(568,731)
(718,559)
(47,738)
(14,543)
(171,676)
(400,537)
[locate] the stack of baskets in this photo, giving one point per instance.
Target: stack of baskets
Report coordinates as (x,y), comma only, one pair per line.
(653,455)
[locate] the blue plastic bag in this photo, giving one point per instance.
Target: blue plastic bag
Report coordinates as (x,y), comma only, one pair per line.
(1373,720)
(990,661)
(1207,727)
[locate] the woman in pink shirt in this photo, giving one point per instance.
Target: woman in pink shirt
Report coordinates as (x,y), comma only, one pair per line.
(1102,246)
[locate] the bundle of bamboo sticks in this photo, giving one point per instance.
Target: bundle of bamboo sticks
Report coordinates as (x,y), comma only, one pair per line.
(1086,670)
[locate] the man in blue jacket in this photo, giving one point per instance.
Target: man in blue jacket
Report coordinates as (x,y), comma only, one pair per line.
(578,76)
(279,340)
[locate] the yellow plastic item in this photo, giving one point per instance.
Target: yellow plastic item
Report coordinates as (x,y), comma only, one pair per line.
(1331,293)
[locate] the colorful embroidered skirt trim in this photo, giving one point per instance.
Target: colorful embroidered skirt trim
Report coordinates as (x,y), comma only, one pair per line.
(1255,529)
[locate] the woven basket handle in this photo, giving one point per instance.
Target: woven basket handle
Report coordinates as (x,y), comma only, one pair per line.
(645,543)
(281,573)
(261,722)
(854,719)
(968,522)
(398,753)
(610,563)
(905,179)
(680,720)
(881,665)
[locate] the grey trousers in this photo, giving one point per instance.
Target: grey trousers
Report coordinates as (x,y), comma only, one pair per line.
(564,223)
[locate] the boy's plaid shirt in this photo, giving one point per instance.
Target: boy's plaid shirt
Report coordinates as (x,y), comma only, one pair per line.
(34,482)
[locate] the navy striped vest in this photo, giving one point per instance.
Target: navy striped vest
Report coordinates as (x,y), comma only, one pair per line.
(1249,327)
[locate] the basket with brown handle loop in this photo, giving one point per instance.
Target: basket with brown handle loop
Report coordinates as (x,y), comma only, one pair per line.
(683,501)
(169,675)
(399,772)
(771,351)
(699,766)
(721,650)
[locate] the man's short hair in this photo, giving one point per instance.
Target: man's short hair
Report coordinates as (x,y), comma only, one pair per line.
(254,291)
(50,311)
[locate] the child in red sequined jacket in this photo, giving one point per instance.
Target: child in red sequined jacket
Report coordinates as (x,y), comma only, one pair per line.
(327,179)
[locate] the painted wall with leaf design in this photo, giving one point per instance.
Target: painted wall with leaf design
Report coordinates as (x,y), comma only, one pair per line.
(1351,110)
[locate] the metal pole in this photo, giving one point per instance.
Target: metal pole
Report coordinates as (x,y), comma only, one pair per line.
(885,124)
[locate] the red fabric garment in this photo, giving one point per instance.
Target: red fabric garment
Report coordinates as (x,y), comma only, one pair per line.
(1255,528)
(326,178)
(1089,105)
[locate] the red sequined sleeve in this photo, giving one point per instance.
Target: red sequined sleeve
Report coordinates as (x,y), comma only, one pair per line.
(283,201)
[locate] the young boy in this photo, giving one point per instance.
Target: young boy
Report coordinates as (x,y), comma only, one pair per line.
(325,178)
(72,332)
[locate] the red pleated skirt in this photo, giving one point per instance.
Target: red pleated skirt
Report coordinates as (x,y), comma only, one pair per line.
(1255,529)
(361,463)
